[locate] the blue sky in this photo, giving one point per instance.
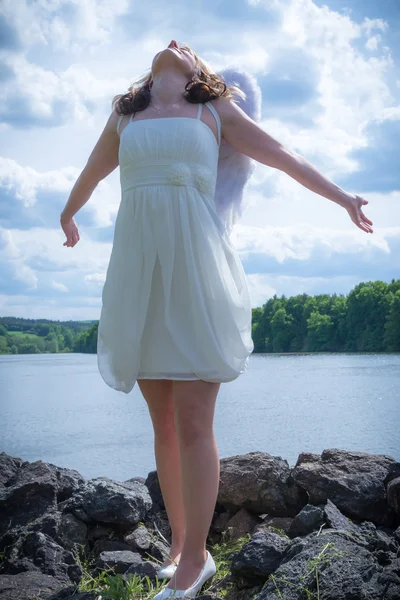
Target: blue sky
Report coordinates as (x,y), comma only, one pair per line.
(330,78)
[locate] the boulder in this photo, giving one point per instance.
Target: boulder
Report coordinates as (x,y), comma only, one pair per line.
(354,481)
(118,560)
(27,586)
(345,571)
(260,557)
(71,593)
(147,543)
(71,532)
(306,521)
(37,551)
(153,485)
(107,501)
(30,492)
(9,466)
(298,531)
(393,496)
(277,524)
(261,483)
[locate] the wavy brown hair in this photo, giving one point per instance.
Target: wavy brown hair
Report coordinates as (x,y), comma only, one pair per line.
(203,87)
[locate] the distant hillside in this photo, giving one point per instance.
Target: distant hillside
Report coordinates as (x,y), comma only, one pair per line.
(366,320)
(35,336)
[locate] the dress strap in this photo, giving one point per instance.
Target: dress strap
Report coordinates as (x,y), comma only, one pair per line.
(119,123)
(217,119)
(199,110)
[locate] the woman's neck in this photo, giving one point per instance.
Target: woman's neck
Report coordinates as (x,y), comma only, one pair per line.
(168,87)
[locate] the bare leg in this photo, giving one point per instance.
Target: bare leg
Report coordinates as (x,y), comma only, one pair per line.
(158,394)
(194,416)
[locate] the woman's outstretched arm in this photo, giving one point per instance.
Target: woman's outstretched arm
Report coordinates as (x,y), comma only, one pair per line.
(101,162)
(243,134)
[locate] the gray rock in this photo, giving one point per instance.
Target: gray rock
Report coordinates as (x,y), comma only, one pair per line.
(373,539)
(147,542)
(246,594)
(98,531)
(68,481)
(64,510)
(260,557)
(47,523)
(220,521)
(9,466)
(261,483)
(139,538)
(280,523)
(354,481)
(337,520)
(396,535)
(153,485)
(109,545)
(118,560)
(72,532)
(71,593)
(393,496)
(36,551)
(107,501)
(306,521)
(208,597)
(142,568)
(241,524)
(134,480)
(346,571)
(26,586)
(157,521)
(30,492)
(64,594)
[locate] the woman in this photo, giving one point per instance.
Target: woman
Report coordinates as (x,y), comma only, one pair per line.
(176,314)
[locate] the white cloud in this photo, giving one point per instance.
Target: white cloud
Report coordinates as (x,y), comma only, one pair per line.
(373,42)
(36,96)
(301,242)
(14,274)
(34,198)
(260,290)
(64,24)
(57,285)
(74,56)
(368,25)
(97,278)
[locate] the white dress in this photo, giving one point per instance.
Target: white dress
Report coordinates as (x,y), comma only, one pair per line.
(175,302)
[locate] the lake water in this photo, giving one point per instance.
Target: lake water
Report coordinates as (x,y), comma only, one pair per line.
(57,408)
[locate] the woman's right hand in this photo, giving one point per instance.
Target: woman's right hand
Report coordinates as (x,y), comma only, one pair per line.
(102,161)
(356,214)
(70,228)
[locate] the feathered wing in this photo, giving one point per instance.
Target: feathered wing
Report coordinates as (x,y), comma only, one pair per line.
(235,168)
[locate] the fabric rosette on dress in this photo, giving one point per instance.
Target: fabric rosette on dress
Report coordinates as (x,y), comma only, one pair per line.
(195,175)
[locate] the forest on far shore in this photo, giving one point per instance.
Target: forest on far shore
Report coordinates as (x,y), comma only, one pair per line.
(365,320)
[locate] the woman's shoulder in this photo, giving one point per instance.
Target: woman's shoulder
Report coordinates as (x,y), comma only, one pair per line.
(113,121)
(225,107)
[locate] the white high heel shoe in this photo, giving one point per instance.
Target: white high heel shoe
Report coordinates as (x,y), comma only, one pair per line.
(207,571)
(166,572)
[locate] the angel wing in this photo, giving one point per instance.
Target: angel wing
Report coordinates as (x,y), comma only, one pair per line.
(235,168)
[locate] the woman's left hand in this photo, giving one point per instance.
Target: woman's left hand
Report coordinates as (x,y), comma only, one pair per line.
(356,214)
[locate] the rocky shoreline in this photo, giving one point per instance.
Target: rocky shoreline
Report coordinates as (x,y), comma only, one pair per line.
(327,528)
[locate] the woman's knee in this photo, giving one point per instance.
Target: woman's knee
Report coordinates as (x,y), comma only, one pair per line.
(194,409)
(158,394)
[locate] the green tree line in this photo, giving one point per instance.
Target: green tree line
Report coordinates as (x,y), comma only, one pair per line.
(36,336)
(366,320)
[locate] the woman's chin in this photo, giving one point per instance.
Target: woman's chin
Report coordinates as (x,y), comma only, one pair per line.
(168,59)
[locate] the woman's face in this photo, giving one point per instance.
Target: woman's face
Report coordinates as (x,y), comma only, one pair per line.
(176,55)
